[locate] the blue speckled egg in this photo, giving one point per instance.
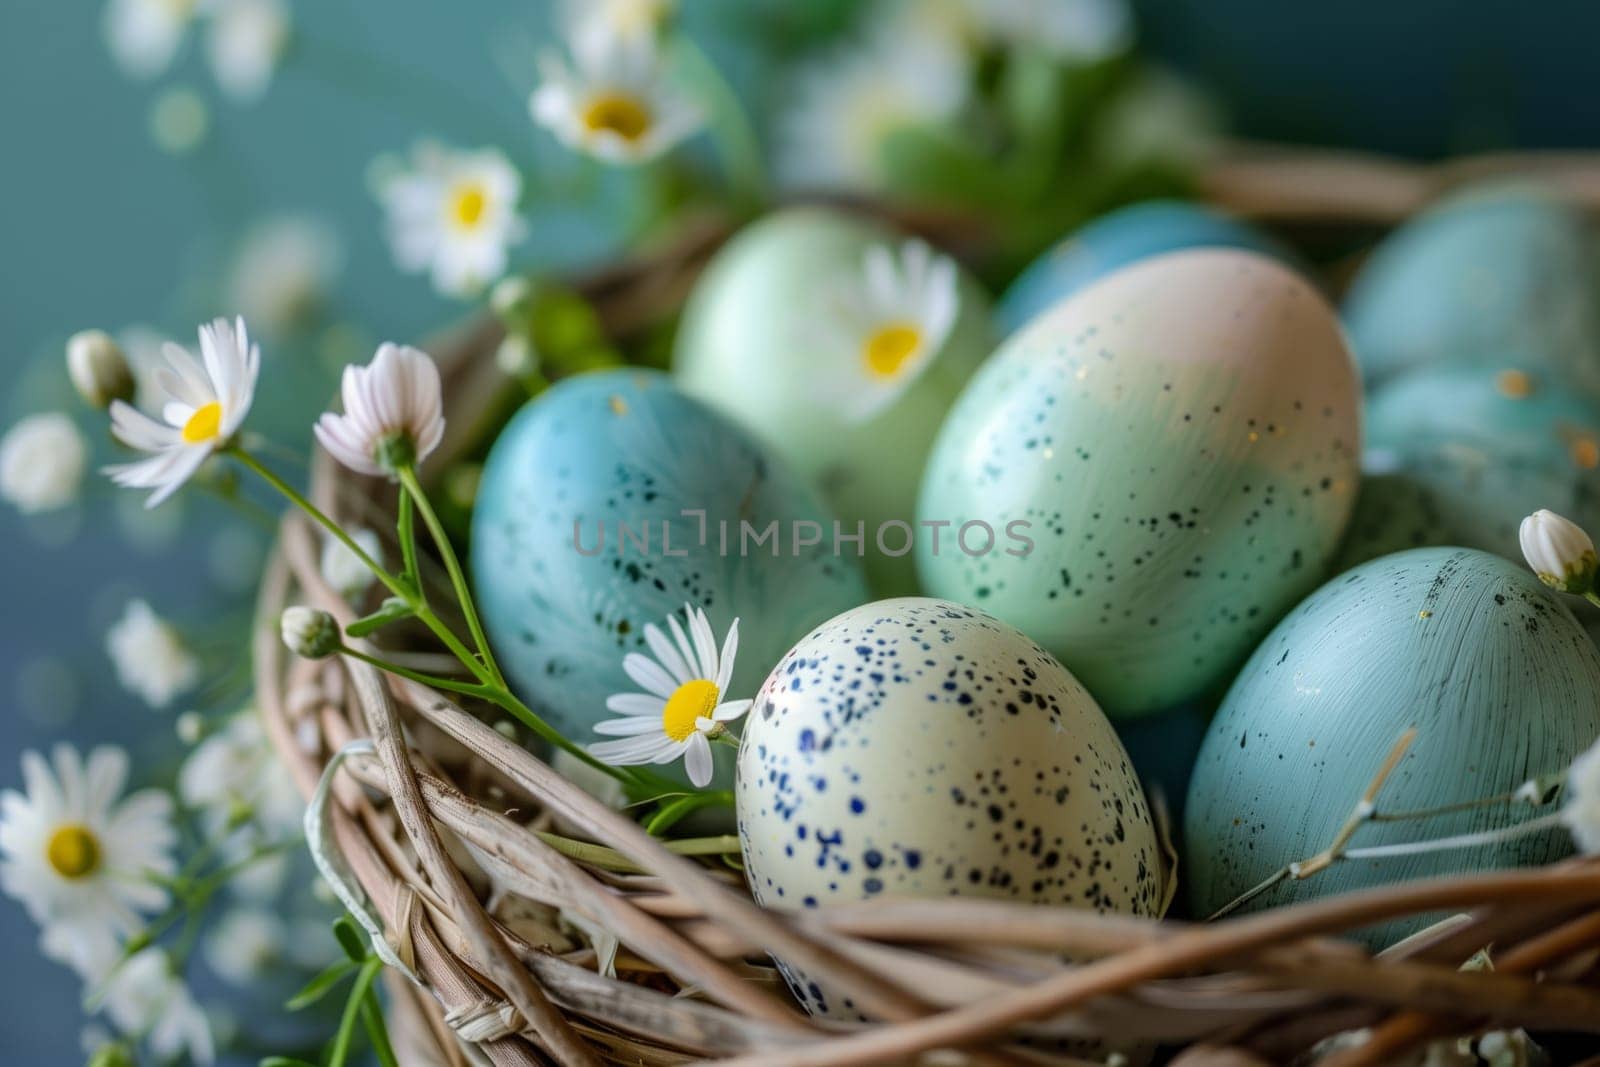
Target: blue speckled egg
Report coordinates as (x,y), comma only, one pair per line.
(767,340)
(918,748)
(1117,239)
(1179,444)
(608,450)
(1498,677)
(1458,455)
(1494,271)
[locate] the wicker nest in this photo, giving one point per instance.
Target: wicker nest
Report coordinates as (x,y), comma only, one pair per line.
(509,938)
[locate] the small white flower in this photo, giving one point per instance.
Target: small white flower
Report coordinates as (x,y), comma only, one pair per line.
(453,214)
(682,706)
(42,460)
(309,632)
(888,323)
(393,413)
(1074,30)
(282,273)
(144,35)
(244,42)
(614,101)
(343,569)
(151,659)
(1581,811)
(244,943)
(1559,551)
(147,998)
(82,858)
(205,404)
(621,18)
(98,369)
(246,800)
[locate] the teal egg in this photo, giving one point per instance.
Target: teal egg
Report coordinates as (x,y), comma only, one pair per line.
(1459,455)
(1497,271)
(764,341)
(565,592)
(1117,239)
(1499,679)
(1166,461)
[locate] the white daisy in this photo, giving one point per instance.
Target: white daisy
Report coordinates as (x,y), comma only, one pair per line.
(204,407)
(82,858)
(1560,551)
(623,18)
(42,460)
(393,413)
(98,368)
(244,41)
(888,323)
(282,273)
(682,708)
(343,569)
(453,214)
(150,658)
(147,998)
(244,943)
(614,101)
(1581,811)
(246,800)
(144,35)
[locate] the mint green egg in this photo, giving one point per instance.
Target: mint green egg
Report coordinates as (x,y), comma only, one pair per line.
(763,341)
(1177,445)
(1500,681)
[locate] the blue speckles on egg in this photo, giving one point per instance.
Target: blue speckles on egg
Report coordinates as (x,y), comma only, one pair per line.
(1020,791)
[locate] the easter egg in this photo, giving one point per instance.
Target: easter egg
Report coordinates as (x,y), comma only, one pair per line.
(1491,668)
(1117,239)
(917,748)
(1165,461)
(1458,455)
(1496,271)
(608,503)
(842,347)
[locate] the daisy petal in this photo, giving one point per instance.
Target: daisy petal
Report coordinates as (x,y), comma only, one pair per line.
(649,674)
(697,760)
(732,710)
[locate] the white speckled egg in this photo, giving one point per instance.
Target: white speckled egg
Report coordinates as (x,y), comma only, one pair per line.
(914,747)
(1178,442)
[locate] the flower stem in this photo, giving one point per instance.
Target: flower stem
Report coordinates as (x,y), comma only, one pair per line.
(449,685)
(339,1053)
(676,811)
(1444,844)
(735,137)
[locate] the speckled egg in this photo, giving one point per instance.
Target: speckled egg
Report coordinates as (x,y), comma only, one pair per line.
(1117,239)
(914,747)
(1497,676)
(1494,271)
(764,341)
(563,579)
(1178,443)
(1458,455)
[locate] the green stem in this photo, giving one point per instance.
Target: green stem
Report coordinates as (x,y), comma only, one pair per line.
(407,529)
(340,1051)
(471,689)
(731,128)
(675,812)
(377,1031)
(452,565)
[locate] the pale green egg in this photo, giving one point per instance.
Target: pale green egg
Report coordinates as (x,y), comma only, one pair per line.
(791,335)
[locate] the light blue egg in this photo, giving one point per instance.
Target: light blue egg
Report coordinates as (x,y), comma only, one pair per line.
(1498,677)
(1114,240)
(1458,455)
(1493,272)
(617,449)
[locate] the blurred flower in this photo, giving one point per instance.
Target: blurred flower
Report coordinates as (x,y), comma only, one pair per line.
(1559,551)
(98,369)
(147,998)
(150,658)
(682,707)
(282,273)
(81,858)
(393,413)
(309,632)
(614,101)
(1581,811)
(246,800)
(42,460)
(143,346)
(454,214)
(889,322)
(244,42)
(191,727)
(179,120)
(1160,118)
(620,18)
(344,570)
(244,943)
(1077,30)
(843,104)
(204,407)
(144,35)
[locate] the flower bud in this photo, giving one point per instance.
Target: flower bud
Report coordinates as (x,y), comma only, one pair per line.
(98,369)
(310,632)
(1559,551)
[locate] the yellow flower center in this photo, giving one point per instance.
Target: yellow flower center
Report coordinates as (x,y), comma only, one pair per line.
(73,851)
(468,204)
(626,116)
(691,702)
(887,350)
(204,425)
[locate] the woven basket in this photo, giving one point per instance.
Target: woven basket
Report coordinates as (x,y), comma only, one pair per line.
(501,938)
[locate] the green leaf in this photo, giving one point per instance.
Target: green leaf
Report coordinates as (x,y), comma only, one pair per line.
(319,986)
(391,610)
(351,939)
